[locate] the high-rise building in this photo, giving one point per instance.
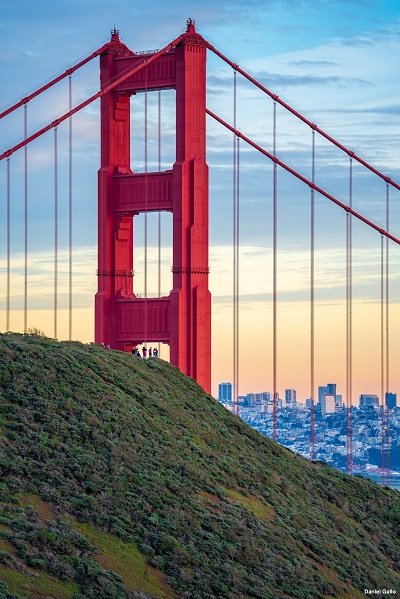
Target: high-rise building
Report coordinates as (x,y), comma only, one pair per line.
(366,399)
(390,400)
(328,404)
(251,399)
(290,396)
(321,392)
(332,389)
(225,392)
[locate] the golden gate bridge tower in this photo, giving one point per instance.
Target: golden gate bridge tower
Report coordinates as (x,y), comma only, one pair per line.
(183,318)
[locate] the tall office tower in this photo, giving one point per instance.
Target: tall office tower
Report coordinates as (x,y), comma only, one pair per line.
(321,392)
(328,404)
(390,400)
(225,392)
(332,388)
(290,396)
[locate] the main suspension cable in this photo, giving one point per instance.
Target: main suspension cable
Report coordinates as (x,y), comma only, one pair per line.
(43,88)
(301,117)
(293,172)
(146,61)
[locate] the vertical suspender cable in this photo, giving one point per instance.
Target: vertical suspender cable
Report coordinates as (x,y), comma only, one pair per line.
(237,267)
(145,208)
(274,308)
(387,339)
(312,305)
(385,428)
(234,332)
(55,232)
(26,220)
(387,447)
(235,395)
(159,213)
(387,290)
(382,368)
(8,246)
(70,213)
(349,349)
(387,344)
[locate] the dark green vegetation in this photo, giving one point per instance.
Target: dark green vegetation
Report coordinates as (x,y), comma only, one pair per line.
(121,478)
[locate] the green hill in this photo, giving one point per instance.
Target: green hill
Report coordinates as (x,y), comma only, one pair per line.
(121,478)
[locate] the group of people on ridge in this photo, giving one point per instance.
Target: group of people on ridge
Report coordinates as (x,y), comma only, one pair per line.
(152,352)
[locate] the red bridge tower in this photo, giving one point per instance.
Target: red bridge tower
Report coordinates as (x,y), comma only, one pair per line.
(183,318)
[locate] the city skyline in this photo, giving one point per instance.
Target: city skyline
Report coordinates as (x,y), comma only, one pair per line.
(335,64)
(225,395)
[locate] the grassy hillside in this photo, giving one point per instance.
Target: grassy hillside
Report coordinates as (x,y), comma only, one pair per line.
(121,478)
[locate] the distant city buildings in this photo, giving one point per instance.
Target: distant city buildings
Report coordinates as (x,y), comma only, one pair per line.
(332,389)
(293,425)
(368,400)
(290,396)
(321,392)
(328,404)
(225,392)
(391,400)
(328,400)
(252,399)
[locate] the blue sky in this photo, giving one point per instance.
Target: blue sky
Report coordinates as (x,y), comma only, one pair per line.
(335,61)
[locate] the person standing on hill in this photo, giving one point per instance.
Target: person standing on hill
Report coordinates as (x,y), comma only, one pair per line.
(144,352)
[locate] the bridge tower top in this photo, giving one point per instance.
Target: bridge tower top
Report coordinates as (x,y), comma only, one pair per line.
(190,26)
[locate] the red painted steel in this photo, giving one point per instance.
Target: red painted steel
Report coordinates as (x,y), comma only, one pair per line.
(182,319)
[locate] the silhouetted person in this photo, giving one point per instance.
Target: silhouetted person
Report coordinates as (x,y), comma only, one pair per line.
(144,351)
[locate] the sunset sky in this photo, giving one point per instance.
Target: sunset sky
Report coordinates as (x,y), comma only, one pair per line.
(335,61)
